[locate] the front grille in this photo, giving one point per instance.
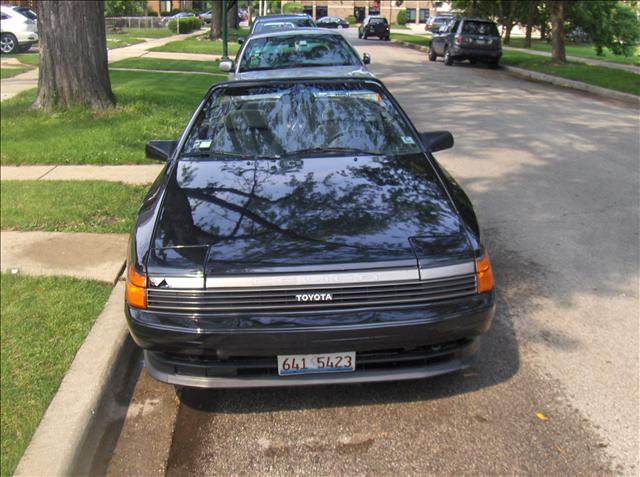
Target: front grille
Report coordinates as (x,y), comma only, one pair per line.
(283,299)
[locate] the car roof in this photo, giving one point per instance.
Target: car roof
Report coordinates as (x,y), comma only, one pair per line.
(293,31)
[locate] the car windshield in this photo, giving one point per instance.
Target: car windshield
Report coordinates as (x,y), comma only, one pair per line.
(265,26)
(480,28)
(295,50)
(319,118)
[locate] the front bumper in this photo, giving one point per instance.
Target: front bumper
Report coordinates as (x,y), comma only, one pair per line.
(414,342)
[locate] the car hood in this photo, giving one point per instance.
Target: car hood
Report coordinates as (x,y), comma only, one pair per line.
(329,213)
(350,71)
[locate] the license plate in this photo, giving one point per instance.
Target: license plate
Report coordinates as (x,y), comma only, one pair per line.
(482,42)
(294,364)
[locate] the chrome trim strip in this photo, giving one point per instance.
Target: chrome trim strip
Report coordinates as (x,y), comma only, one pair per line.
(176,282)
(447,271)
(311,279)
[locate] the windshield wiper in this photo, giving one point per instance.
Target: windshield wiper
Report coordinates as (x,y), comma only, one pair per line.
(227,154)
(331,151)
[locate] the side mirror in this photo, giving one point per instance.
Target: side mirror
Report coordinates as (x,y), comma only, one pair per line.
(241,40)
(437,140)
(160,150)
(366,58)
(226,65)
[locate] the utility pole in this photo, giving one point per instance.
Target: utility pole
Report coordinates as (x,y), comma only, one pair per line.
(225,46)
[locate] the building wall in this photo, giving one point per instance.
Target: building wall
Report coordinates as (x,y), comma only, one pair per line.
(387,8)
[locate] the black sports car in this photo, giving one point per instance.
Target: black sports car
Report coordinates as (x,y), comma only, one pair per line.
(332,22)
(301,232)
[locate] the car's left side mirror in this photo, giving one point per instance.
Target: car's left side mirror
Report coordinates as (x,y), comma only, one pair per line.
(366,58)
(241,40)
(160,150)
(226,65)
(437,140)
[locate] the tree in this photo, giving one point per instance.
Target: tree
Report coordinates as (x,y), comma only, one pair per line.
(531,10)
(73,56)
(626,30)
(293,7)
(124,8)
(232,14)
(216,20)
(557,8)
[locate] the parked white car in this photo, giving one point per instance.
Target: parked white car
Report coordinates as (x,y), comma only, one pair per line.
(17,31)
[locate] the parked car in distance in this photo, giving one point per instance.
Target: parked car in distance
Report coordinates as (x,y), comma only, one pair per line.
(434,23)
(17,31)
(375,25)
(205,17)
(467,39)
(269,23)
(301,52)
(303,233)
(178,15)
(332,22)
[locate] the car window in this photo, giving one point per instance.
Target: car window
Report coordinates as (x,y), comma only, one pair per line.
(293,117)
(287,24)
(479,28)
(378,21)
(297,51)
(4,17)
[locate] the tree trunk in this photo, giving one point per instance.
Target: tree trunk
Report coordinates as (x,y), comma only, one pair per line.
(558,54)
(216,20)
(507,31)
(530,17)
(73,56)
(232,15)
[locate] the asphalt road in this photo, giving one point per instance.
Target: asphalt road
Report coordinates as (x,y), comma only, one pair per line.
(554,176)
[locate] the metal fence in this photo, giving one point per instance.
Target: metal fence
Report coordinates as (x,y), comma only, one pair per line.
(114,23)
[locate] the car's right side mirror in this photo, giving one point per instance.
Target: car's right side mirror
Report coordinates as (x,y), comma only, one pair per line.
(160,150)
(437,140)
(366,58)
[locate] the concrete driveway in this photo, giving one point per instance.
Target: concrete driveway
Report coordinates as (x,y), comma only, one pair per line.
(554,176)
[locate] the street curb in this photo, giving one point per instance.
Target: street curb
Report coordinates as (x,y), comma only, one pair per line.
(413,46)
(89,400)
(571,84)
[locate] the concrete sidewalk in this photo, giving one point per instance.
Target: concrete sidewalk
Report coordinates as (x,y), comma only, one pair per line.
(81,255)
(10,87)
(129,174)
(579,59)
(165,55)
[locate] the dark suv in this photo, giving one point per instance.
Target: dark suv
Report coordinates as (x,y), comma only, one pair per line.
(467,39)
(374,25)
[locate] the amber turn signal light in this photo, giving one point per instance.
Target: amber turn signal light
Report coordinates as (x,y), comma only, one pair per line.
(136,293)
(484,274)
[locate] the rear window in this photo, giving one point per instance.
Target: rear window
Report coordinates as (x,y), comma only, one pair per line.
(262,27)
(378,21)
(295,50)
(480,28)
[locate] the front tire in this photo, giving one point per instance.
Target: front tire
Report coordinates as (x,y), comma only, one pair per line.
(448,59)
(432,55)
(8,43)
(359,36)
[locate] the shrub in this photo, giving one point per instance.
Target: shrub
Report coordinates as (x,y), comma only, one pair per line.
(187,24)
(402,17)
(293,7)
(351,20)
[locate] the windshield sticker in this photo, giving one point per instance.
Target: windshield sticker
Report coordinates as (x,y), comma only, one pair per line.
(204,144)
(408,140)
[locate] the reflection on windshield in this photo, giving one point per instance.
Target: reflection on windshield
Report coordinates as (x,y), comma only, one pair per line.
(284,119)
(263,27)
(296,51)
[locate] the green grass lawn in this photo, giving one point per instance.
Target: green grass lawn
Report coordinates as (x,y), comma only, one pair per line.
(422,40)
(400,27)
(583,50)
(146,32)
(145,63)
(120,40)
(79,206)
(201,44)
(150,106)
(618,80)
(43,321)
(6,72)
